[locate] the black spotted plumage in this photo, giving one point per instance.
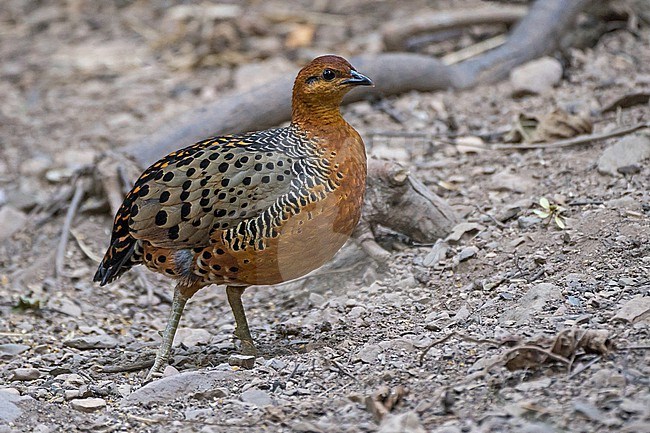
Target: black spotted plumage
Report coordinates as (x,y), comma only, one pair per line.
(171,205)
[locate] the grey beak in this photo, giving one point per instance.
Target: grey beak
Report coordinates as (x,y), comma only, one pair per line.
(358,79)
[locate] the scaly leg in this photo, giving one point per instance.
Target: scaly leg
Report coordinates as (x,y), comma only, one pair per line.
(241,324)
(168,335)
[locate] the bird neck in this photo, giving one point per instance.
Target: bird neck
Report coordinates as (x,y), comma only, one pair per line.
(316,115)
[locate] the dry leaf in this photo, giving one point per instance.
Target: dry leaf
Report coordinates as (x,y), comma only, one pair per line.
(563,347)
(556,125)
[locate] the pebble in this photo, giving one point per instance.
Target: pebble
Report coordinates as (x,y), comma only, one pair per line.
(9,350)
(525,222)
(628,151)
(26,374)
(87,342)
(191,337)
(536,77)
(467,253)
(9,411)
(11,221)
(369,353)
(276,364)
(243,361)
(437,253)
(91,404)
(186,383)
(532,303)
(256,397)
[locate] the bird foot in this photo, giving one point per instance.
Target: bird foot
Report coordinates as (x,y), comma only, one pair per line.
(152,375)
(248,348)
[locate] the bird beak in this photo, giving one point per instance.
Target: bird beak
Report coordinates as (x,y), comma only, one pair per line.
(358,79)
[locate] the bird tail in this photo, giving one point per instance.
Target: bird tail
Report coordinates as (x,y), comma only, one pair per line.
(124,253)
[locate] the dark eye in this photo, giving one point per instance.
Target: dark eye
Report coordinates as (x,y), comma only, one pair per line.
(328,75)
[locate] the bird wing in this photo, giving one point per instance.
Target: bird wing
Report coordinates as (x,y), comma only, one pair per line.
(185,197)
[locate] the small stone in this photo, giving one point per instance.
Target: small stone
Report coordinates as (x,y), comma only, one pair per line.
(170,370)
(533,385)
(9,410)
(243,361)
(369,353)
(438,252)
(316,299)
(256,397)
(276,364)
(532,303)
(26,374)
(87,342)
(191,337)
(525,222)
(70,394)
(536,77)
(467,253)
(635,310)
(9,350)
(631,406)
(88,404)
(511,182)
(630,150)
(11,221)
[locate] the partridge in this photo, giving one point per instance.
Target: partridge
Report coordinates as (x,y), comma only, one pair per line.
(258,208)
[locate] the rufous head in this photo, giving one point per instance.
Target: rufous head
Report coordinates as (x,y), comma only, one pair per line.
(321,85)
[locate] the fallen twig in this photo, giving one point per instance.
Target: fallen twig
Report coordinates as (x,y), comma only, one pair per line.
(581,139)
(79,192)
(461,337)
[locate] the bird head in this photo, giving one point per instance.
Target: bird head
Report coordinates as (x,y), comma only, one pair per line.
(321,85)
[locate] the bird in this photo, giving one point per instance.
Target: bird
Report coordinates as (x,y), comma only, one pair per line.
(257,208)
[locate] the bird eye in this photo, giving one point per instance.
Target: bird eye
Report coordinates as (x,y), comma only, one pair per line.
(328,75)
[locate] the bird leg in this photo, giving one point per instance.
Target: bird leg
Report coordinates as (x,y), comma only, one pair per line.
(241,324)
(178,304)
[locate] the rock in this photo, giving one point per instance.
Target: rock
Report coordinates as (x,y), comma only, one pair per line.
(87,342)
(9,409)
(438,252)
(525,222)
(243,361)
(369,353)
(467,253)
(170,370)
(628,151)
(88,404)
(532,303)
(276,364)
(533,385)
(398,344)
(462,314)
(25,374)
(511,182)
(536,77)
(256,397)
(191,337)
(187,383)
(464,231)
(635,310)
(9,350)
(11,221)
(408,422)
(316,299)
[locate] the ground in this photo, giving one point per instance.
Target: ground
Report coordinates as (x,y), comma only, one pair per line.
(344,351)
